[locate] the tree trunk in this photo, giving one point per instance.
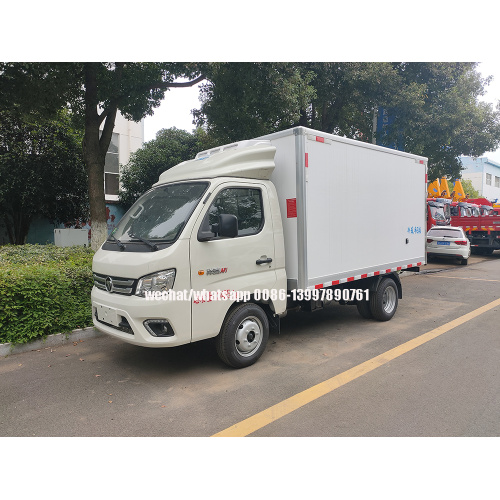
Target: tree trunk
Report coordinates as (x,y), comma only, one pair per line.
(303,121)
(94,154)
(18,226)
(95,147)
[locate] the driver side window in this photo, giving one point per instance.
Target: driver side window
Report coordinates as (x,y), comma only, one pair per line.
(244,203)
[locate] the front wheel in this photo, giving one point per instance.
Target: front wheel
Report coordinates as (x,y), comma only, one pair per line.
(384,301)
(243,337)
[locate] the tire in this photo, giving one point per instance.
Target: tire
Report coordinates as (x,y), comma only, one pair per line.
(464,262)
(384,301)
(364,309)
(243,336)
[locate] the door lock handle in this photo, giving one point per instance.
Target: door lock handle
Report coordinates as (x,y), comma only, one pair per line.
(264,261)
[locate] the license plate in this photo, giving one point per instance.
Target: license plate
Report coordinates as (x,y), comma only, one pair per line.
(107,314)
(443,242)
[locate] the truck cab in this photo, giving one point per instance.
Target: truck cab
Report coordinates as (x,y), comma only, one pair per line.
(438,213)
(205,233)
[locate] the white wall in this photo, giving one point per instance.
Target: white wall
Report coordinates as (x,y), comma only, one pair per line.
(477,180)
(131,138)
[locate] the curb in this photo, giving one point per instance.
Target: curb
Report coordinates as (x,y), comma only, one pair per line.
(54,340)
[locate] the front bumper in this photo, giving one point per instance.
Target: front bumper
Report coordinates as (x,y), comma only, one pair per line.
(123,317)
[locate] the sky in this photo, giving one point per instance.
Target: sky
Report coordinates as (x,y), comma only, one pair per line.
(175,110)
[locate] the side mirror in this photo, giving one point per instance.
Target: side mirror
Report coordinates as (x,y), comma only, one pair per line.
(228,226)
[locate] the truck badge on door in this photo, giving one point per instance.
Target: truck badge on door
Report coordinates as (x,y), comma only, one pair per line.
(217,270)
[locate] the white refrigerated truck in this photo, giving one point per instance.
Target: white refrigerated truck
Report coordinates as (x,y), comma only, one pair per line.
(224,244)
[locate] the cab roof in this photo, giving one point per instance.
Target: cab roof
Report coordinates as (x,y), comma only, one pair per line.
(250,159)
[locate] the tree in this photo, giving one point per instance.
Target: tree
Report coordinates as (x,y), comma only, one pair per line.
(347,94)
(245,100)
(41,172)
(94,92)
(171,146)
(434,106)
(451,121)
(468,187)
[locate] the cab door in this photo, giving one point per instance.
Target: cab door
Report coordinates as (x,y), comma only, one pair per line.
(221,264)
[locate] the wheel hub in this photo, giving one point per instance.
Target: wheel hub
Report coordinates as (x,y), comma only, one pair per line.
(248,336)
(389,299)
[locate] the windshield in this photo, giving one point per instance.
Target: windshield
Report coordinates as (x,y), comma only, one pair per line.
(437,213)
(160,214)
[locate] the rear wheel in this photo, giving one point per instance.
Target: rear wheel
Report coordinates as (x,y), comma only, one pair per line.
(384,301)
(243,336)
(364,309)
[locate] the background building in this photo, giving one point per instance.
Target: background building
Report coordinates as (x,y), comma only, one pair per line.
(127,137)
(484,174)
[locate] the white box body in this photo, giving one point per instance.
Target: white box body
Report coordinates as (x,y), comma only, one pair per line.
(360,208)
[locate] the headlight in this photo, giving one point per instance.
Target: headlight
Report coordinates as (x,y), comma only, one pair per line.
(156,282)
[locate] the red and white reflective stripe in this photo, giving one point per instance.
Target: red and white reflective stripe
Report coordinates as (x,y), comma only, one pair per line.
(362,276)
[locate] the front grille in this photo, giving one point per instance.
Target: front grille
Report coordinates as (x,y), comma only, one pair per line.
(114,284)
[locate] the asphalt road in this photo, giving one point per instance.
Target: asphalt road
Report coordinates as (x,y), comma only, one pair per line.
(448,386)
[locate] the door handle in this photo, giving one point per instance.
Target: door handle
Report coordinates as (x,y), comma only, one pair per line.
(264,261)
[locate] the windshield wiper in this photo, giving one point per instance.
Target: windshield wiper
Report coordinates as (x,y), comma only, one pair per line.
(149,243)
(121,246)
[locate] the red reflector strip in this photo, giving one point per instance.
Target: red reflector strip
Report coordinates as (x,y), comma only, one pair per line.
(291,208)
(364,276)
(387,270)
(307,160)
(419,263)
(409,265)
(398,269)
(421,162)
(318,286)
(376,273)
(335,282)
(351,278)
(320,139)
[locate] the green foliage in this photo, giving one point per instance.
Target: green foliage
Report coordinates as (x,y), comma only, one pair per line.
(245,100)
(171,146)
(43,290)
(347,93)
(469,188)
(450,121)
(94,92)
(41,172)
(435,106)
